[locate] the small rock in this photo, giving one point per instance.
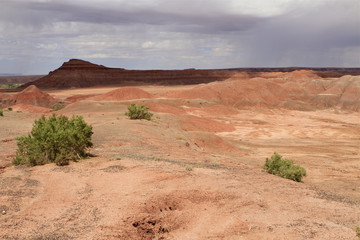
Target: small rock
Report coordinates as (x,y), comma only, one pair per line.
(3,212)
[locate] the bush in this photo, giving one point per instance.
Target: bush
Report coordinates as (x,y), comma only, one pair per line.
(57,107)
(284,168)
(1,113)
(189,168)
(138,112)
(10,109)
(10,85)
(57,139)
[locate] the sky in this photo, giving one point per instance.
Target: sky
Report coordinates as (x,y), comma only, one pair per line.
(37,36)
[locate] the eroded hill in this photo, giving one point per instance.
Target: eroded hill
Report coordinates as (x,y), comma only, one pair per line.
(194,171)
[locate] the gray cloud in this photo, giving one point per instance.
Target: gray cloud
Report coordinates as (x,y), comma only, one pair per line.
(44,13)
(320,36)
(40,35)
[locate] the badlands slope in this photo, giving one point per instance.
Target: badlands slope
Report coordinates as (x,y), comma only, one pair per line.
(137,185)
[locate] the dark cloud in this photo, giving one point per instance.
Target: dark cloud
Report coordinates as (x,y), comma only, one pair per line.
(181,33)
(38,13)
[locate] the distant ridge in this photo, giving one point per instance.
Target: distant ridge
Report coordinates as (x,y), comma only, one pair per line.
(9,74)
(78,73)
(18,79)
(320,71)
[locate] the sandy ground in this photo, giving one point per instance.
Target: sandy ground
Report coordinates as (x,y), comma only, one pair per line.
(138,185)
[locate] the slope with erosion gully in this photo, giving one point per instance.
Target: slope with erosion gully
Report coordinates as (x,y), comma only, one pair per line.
(194,170)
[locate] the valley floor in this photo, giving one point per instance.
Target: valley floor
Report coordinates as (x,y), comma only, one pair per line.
(193,172)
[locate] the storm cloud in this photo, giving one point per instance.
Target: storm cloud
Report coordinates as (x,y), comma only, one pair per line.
(37,36)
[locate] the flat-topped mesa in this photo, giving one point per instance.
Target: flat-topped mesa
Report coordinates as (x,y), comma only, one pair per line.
(77,73)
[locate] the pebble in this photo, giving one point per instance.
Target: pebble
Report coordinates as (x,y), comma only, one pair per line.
(3,212)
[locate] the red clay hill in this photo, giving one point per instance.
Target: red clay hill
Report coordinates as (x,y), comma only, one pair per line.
(29,96)
(299,90)
(123,93)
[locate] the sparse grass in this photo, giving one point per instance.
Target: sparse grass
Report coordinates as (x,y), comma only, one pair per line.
(198,165)
(10,85)
(357,231)
(215,164)
(57,107)
(284,168)
(155,121)
(117,157)
(189,168)
(172,161)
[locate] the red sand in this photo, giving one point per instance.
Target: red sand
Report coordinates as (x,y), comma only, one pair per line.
(123,93)
(194,123)
(79,97)
(165,108)
(29,108)
(148,191)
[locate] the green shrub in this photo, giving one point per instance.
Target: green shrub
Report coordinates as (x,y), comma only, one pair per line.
(215,164)
(56,139)
(284,168)
(1,113)
(138,112)
(10,85)
(10,109)
(188,168)
(57,107)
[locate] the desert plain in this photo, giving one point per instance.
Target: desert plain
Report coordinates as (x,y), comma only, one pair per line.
(195,170)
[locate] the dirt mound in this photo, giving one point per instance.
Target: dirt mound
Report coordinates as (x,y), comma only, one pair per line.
(165,108)
(30,108)
(34,96)
(123,93)
(31,95)
(253,92)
